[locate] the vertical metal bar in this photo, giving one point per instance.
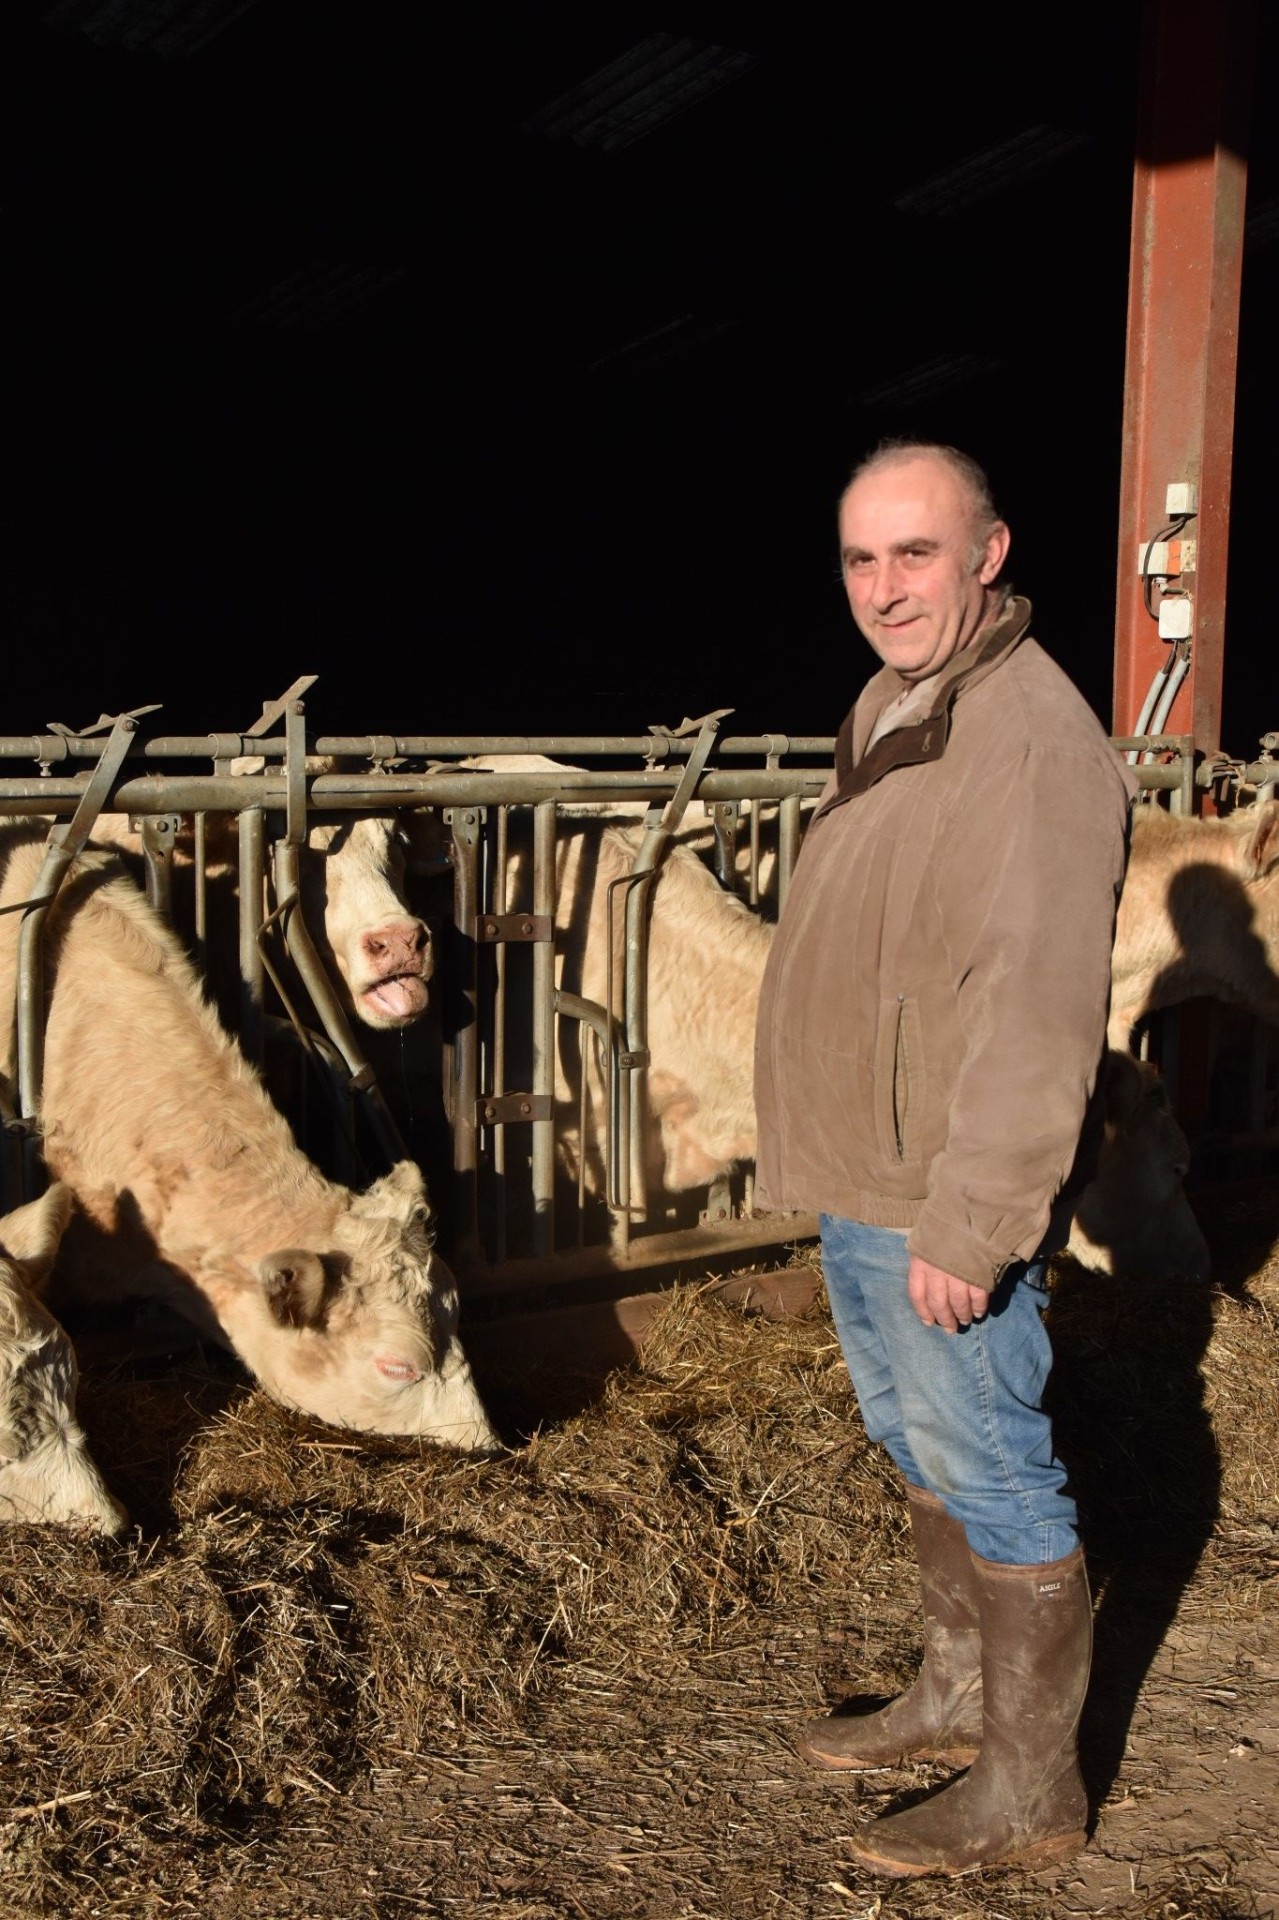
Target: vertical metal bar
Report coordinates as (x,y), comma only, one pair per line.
(544,1028)
(159,832)
(464,1078)
(788,824)
(637,899)
(252,836)
(1189,183)
(618,1159)
(201,885)
(753,896)
(499,896)
(725,815)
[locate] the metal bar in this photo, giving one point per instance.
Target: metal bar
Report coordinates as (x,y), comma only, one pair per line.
(463,1065)
(64,843)
(645,1252)
(1189,183)
(500,891)
(571,1006)
(381,793)
(617,1094)
(159,832)
(544,1029)
(200,882)
(788,832)
(725,815)
(51,749)
(637,896)
(295,773)
(252,834)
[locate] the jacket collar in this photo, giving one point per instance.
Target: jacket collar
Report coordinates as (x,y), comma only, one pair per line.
(856,769)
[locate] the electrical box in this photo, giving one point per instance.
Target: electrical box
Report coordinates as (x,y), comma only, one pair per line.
(1176,616)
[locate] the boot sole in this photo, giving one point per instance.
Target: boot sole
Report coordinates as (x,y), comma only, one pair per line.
(1039,1853)
(857,1763)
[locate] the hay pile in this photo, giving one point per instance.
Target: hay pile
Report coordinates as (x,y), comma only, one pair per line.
(337,1676)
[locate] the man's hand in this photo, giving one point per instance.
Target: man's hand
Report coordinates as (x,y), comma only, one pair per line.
(940,1299)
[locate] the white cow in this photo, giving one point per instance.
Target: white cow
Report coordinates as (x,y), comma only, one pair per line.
(351,874)
(1199,915)
(191,1187)
(46,1473)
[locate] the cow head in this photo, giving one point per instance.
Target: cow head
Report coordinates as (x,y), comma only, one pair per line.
(363,1332)
(353,880)
(46,1473)
(1134,1217)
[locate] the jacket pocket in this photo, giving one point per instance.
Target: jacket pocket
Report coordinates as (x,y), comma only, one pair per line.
(899,1079)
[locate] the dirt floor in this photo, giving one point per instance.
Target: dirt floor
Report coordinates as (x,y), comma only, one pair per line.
(329,1677)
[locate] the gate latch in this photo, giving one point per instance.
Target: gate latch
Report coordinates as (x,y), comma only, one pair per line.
(498,1109)
(491,929)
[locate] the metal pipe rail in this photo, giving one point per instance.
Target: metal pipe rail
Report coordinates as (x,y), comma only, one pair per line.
(53,749)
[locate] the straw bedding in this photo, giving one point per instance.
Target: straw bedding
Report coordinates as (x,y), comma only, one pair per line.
(331,1676)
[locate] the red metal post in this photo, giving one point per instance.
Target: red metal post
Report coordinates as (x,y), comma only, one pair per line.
(1183,309)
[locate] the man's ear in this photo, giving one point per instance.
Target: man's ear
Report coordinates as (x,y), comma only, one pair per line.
(998,541)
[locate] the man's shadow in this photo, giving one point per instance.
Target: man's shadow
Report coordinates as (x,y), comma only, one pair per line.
(1127,1392)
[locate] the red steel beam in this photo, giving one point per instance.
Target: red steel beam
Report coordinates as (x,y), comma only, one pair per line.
(1189,184)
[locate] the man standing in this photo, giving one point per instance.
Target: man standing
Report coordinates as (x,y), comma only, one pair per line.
(931,1031)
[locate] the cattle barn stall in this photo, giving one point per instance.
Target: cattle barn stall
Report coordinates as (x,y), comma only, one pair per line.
(509,1217)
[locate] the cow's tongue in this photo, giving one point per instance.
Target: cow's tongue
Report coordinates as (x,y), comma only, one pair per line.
(398,999)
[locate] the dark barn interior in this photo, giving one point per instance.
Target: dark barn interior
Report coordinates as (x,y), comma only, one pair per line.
(502,366)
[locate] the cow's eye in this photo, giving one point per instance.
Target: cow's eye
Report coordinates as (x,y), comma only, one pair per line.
(393,1368)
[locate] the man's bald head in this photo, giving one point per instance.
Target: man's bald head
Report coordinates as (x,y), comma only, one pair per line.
(972,479)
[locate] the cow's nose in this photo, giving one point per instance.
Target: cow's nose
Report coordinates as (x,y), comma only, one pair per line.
(406,939)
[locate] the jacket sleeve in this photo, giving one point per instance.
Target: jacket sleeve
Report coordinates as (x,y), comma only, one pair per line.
(1028,881)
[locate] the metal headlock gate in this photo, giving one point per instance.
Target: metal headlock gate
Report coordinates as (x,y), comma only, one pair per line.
(496,1167)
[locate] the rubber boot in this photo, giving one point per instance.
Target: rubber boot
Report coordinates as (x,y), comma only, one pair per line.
(939,1716)
(1023,1801)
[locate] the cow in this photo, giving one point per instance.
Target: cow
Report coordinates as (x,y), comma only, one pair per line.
(376,949)
(1199,914)
(706,957)
(191,1188)
(46,1472)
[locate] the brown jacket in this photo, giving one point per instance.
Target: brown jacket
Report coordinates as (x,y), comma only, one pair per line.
(933,1014)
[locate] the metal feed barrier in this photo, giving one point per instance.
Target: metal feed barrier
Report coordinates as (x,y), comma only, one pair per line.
(495,1156)
(479,1104)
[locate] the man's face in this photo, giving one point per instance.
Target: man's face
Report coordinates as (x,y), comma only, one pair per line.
(906,540)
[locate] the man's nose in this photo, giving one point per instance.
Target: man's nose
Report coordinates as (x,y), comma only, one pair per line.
(885,588)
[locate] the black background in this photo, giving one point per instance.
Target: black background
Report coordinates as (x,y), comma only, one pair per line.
(321,361)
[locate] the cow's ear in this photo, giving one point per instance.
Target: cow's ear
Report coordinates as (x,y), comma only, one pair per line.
(293,1286)
(1261,849)
(33,1234)
(400,1192)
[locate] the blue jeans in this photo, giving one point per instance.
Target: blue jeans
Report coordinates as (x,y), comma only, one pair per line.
(961,1413)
